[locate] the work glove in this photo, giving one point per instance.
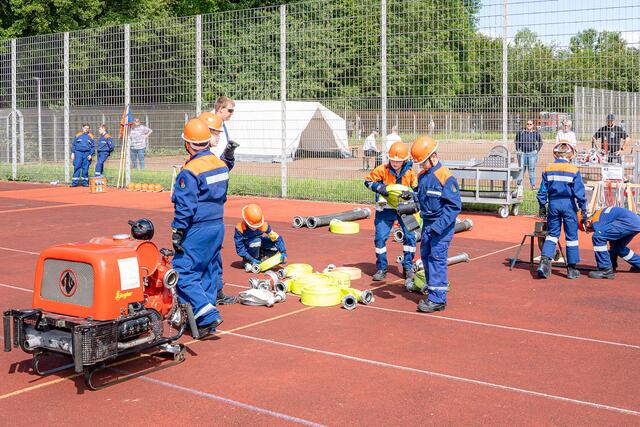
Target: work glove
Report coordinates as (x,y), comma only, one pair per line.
(542,213)
(230,149)
(252,261)
(176,239)
(382,190)
(584,220)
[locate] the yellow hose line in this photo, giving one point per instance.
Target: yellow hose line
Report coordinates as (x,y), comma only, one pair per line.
(294,270)
(271,262)
(344,227)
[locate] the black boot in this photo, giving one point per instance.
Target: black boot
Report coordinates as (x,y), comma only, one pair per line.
(634,269)
(222,299)
(380,275)
(205,330)
(428,306)
(572,272)
(603,274)
(544,270)
(614,262)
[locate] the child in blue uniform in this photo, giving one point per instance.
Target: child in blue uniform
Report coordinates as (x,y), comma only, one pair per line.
(618,227)
(105,147)
(198,196)
(81,153)
(254,238)
(563,189)
(440,204)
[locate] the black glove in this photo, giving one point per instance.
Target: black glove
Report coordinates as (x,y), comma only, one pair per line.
(230,149)
(542,213)
(406,195)
(382,190)
(176,239)
(584,220)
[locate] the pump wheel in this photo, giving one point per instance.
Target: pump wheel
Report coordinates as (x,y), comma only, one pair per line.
(503,211)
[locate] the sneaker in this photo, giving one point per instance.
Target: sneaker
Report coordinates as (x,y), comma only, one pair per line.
(603,274)
(380,275)
(222,299)
(572,273)
(544,271)
(428,306)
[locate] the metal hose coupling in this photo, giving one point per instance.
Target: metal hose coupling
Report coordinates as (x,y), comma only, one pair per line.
(398,234)
(281,296)
(255,268)
(253,282)
(349,302)
(282,286)
(298,221)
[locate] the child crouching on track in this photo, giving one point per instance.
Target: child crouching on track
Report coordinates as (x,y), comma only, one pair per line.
(254,238)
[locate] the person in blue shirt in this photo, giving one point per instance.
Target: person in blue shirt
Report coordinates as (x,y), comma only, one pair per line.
(439,198)
(82,149)
(254,238)
(617,227)
(105,147)
(197,228)
(528,144)
(562,188)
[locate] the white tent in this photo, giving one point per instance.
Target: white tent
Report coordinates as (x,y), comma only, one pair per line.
(312,130)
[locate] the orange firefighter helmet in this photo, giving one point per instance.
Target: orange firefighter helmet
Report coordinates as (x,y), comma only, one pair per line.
(212,120)
(398,152)
(252,215)
(196,134)
(422,148)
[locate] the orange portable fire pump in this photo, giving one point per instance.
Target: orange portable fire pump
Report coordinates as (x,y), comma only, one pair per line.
(100,300)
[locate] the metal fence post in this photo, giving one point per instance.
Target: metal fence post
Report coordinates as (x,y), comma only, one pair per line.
(505,73)
(283,99)
(198,64)
(14,108)
(127,94)
(383,77)
(67,175)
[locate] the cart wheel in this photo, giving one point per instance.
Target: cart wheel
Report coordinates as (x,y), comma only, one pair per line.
(515,210)
(503,211)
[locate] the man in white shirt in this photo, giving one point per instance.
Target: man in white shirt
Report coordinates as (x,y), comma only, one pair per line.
(391,138)
(138,136)
(565,134)
(370,150)
(224,107)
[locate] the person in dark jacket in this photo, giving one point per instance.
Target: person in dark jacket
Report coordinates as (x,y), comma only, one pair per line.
(528,145)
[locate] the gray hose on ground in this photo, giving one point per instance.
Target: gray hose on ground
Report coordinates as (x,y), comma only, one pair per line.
(457,259)
(299,221)
(461,225)
(464,225)
(352,215)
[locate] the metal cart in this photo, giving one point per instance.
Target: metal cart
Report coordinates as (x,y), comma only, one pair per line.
(490,180)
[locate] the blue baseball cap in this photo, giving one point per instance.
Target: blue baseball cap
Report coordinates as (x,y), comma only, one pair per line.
(611,117)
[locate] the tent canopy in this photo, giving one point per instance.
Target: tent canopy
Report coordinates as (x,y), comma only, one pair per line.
(312,130)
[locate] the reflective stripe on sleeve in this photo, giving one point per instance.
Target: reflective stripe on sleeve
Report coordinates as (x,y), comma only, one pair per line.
(217,178)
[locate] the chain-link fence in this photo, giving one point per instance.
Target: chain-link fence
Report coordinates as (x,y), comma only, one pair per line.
(313,79)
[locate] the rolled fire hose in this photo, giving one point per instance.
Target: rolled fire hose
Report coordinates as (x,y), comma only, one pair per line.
(261,297)
(299,283)
(353,272)
(268,263)
(352,215)
(298,221)
(342,278)
(461,225)
(321,296)
(394,191)
(337,226)
(293,270)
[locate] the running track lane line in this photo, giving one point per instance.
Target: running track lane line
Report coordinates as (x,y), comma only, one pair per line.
(19,250)
(42,207)
(441,375)
(139,356)
(440,317)
(230,402)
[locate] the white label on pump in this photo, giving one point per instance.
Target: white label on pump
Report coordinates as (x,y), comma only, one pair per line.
(612,173)
(129,273)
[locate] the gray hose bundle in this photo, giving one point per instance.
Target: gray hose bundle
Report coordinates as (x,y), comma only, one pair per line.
(352,215)
(461,225)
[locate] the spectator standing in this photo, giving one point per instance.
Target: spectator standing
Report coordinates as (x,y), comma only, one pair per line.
(82,149)
(612,140)
(371,150)
(565,134)
(528,145)
(138,136)
(392,138)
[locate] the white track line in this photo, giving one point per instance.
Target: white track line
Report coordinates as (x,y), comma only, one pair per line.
(21,251)
(511,328)
(441,375)
(489,325)
(17,288)
(493,253)
(231,402)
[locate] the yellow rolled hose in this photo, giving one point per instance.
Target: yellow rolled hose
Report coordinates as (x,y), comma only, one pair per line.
(294,270)
(299,283)
(394,191)
(321,295)
(353,272)
(271,262)
(342,278)
(343,227)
